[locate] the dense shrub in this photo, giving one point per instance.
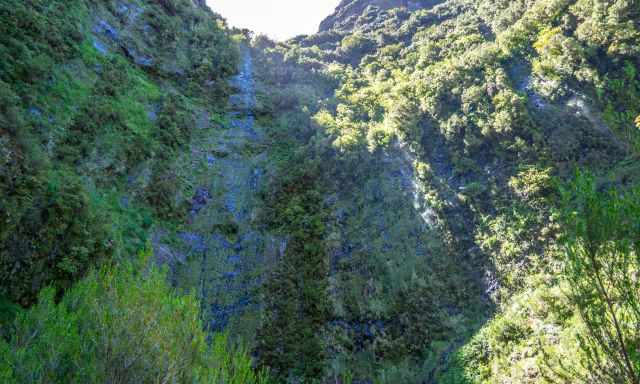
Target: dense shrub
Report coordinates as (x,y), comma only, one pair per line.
(34,36)
(602,259)
(119,326)
(51,236)
(295,295)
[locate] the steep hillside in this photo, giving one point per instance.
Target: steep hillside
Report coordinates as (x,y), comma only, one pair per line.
(421,192)
(98,101)
(99,104)
(440,157)
(354,14)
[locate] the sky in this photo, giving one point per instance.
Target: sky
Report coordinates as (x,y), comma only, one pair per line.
(279,19)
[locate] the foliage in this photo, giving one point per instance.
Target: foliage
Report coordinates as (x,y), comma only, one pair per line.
(465,96)
(122,325)
(356,45)
(62,233)
(534,327)
(295,298)
(34,37)
(602,248)
(561,328)
(87,141)
(379,308)
(493,101)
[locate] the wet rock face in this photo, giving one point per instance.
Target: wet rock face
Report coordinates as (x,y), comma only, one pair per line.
(200,3)
(346,15)
(200,200)
(225,255)
(102,27)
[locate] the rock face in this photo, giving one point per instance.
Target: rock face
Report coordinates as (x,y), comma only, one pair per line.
(224,251)
(347,14)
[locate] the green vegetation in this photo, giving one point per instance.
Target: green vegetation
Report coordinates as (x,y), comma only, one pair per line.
(492,104)
(296,307)
(295,296)
(602,249)
(79,128)
(373,311)
(62,234)
(89,338)
(418,173)
(98,102)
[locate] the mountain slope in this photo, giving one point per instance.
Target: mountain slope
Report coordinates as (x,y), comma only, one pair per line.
(96,106)
(99,103)
(479,109)
(352,14)
(422,192)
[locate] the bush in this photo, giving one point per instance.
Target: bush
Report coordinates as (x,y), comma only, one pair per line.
(33,34)
(602,262)
(51,236)
(119,326)
(174,124)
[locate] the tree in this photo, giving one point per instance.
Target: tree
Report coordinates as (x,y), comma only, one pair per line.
(295,299)
(601,268)
(50,237)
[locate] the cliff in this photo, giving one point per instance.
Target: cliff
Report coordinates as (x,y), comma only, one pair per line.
(350,14)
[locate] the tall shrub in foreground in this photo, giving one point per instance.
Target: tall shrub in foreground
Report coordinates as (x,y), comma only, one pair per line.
(602,269)
(119,325)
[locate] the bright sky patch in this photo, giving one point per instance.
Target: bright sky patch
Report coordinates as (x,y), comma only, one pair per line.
(279,19)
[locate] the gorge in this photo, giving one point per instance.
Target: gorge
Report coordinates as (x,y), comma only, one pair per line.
(422,191)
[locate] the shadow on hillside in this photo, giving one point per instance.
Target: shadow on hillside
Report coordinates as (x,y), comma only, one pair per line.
(458,222)
(407,282)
